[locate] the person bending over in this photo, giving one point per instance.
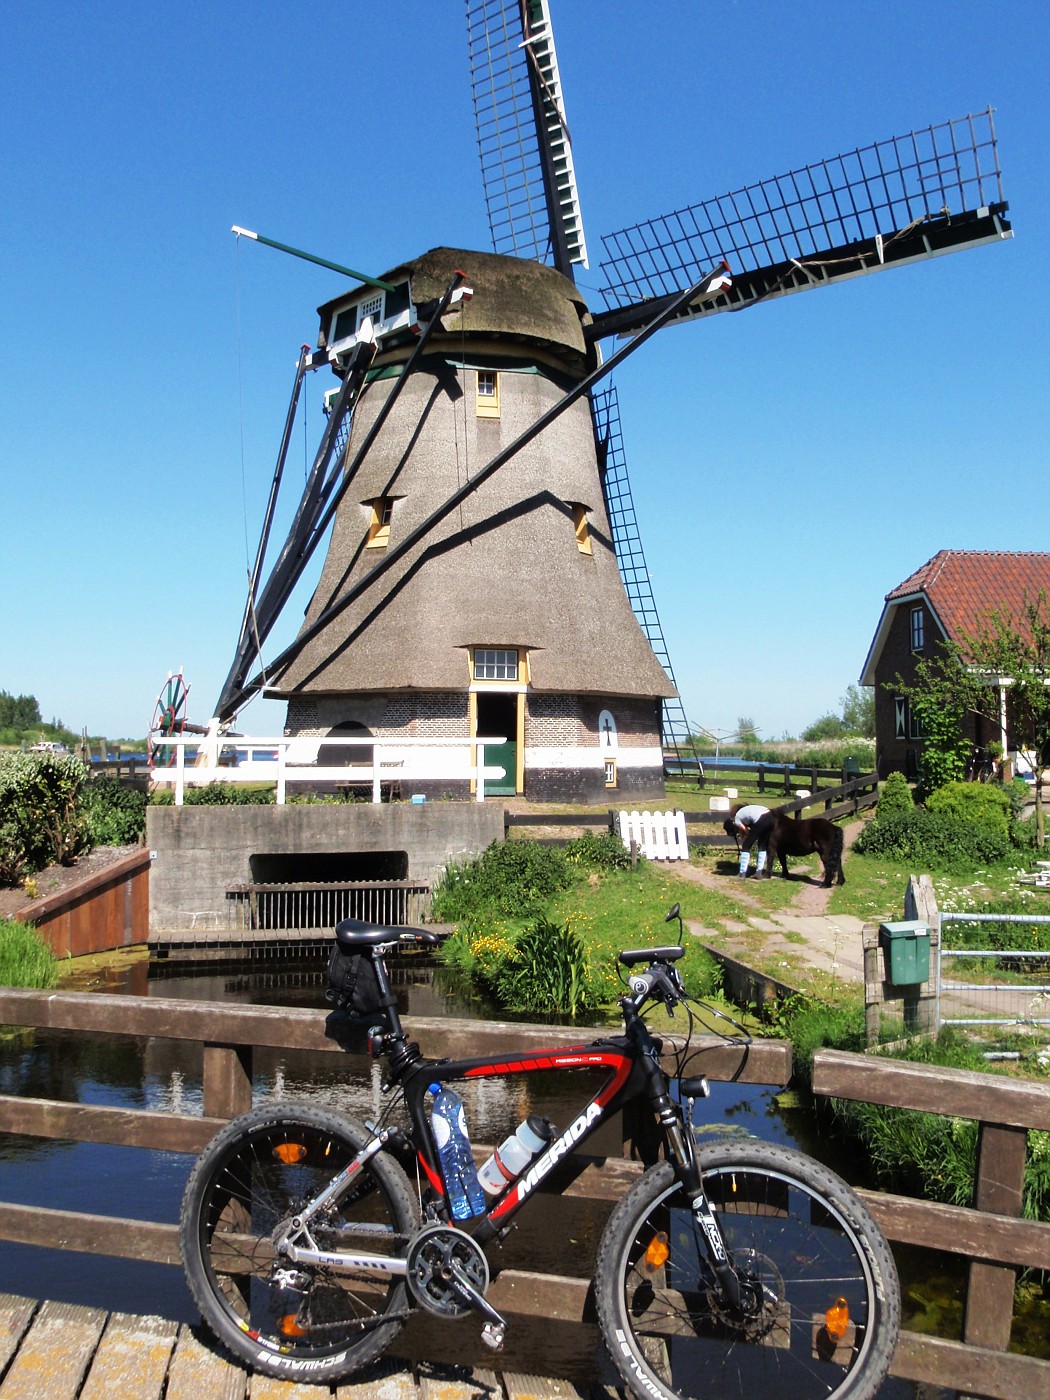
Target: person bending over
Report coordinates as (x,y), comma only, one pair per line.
(750,825)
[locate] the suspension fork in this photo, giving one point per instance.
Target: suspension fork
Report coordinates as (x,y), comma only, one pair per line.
(682,1151)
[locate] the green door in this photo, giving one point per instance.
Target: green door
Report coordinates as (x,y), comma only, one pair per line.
(498,716)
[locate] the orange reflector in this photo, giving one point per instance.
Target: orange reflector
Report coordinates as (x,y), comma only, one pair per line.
(836,1319)
(289,1152)
(657,1254)
(288,1327)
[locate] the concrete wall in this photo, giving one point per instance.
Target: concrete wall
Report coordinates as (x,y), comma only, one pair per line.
(201,852)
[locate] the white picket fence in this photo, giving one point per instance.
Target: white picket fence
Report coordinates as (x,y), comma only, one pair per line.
(658,835)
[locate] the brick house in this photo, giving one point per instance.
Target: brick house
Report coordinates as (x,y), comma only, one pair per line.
(940,601)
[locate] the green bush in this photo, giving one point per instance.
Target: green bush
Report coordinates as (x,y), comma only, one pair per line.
(548,970)
(895,797)
(25,959)
(115,814)
(983,804)
(934,840)
(592,852)
(511,877)
(40,817)
(218,795)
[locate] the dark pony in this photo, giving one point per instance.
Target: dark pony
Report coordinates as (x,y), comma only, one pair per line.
(790,836)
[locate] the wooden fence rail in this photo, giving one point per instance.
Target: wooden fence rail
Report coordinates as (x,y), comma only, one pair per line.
(991,1235)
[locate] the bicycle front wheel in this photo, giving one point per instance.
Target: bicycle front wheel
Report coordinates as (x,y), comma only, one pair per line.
(825,1302)
(294,1320)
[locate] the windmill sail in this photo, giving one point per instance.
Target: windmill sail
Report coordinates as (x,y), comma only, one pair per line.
(627,542)
(912,197)
(523,139)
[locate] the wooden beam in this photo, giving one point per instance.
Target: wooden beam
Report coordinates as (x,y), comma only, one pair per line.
(960,1230)
(955,1366)
(955,1093)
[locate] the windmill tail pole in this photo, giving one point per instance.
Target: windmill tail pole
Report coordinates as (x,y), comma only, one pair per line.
(310,257)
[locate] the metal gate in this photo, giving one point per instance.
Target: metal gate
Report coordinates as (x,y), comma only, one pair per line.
(1004,987)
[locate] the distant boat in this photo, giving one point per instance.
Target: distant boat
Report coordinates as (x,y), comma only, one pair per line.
(48,746)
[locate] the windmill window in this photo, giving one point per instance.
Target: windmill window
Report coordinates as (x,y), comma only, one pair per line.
(495,664)
(379,525)
(487,396)
(370,309)
(610,772)
(917,629)
(582,529)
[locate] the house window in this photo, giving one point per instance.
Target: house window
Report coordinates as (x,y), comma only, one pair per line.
(495,664)
(370,309)
(487,397)
(905,721)
(610,772)
(379,525)
(582,529)
(900,717)
(917,629)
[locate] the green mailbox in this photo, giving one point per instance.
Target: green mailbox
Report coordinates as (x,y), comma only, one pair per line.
(906,946)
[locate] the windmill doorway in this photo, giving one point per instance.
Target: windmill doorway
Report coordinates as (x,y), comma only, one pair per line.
(498,714)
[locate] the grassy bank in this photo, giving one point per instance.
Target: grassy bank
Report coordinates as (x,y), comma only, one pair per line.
(25,959)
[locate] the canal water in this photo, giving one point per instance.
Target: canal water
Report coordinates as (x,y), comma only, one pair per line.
(163,1075)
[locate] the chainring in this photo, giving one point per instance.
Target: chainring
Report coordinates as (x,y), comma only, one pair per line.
(431,1279)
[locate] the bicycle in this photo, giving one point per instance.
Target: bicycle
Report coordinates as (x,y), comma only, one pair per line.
(308,1238)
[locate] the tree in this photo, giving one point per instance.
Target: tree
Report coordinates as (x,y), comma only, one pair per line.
(827,727)
(746,730)
(858,710)
(965,677)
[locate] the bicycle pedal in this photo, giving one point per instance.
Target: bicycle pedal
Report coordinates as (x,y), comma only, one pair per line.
(494,1335)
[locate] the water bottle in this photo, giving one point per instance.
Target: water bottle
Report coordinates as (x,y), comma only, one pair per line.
(448,1123)
(512,1156)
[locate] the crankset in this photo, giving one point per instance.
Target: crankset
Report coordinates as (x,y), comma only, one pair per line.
(448,1274)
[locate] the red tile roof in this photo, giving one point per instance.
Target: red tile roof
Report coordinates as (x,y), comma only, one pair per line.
(962,584)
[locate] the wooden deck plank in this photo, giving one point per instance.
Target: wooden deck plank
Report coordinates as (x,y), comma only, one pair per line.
(458,1383)
(15,1316)
(200,1371)
(262,1387)
(385,1379)
(520,1386)
(55,1353)
(132,1359)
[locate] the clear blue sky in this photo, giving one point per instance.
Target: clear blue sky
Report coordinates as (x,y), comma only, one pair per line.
(823,445)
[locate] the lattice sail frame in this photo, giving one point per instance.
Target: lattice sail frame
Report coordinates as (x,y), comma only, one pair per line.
(508,139)
(630,558)
(908,198)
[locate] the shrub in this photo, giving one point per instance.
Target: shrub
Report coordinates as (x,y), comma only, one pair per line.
(40,818)
(547,971)
(932,839)
(895,797)
(983,804)
(25,959)
(511,877)
(592,852)
(115,814)
(218,795)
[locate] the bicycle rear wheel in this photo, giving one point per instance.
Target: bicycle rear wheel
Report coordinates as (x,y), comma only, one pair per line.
(281,1318)
(828,1299)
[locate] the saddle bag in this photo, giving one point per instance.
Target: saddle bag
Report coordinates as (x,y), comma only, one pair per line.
(353,987)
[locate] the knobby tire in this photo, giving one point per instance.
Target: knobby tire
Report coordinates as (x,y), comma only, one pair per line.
(256,1173)
(794,1229)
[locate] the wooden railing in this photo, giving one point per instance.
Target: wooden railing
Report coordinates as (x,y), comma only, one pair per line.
(109,910)
(990,1234)
(769,777)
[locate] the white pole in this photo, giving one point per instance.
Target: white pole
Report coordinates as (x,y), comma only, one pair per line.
(480,781)
(282,756)
(180,773)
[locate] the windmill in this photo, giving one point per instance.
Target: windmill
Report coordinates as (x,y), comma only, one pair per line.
(484,572)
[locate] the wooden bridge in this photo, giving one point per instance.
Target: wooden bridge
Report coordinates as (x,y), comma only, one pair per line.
(990,1235)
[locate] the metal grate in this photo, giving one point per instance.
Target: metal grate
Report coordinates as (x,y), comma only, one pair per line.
(912,196)
(630,557)
(313,905)
(508,142)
